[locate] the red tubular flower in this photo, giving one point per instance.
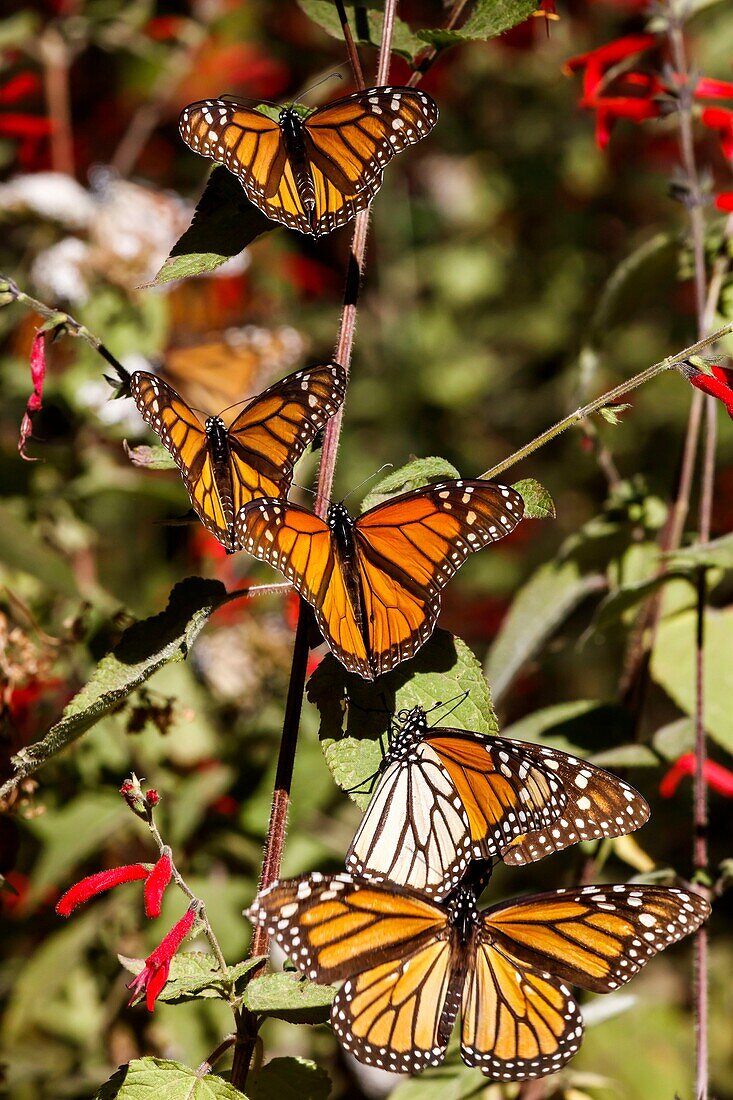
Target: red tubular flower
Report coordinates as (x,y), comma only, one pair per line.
(719,384)
(18,86)
(717,777)
(609,108)
(154,974)
(155,885)
(706,88)
(98,884)
(610,54)
(720,119)
(38,374)
(724,202)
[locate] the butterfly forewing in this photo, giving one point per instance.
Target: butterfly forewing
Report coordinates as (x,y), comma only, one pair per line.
(599,805)
(597,937)
(246,141)
(517,1022)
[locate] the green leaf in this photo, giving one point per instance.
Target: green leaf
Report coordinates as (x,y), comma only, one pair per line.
(224,223)
(488,18)
(365,20)
(287,997)
(144,648)
(612,413)
(290,1079)
(538,504)
(150,458)
(719,553)
(626,756)
(355,714)
(582,727)
(165,1080)
(545,601)
(22,549)
(415,474)
(195,974)
(675,739)
(673,668)
(615,607)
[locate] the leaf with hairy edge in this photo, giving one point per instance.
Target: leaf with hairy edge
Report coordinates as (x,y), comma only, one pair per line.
(165,1080)
(224,223)
(150,458)
(415,474)
(546,600)
(286,997)
(195,974)
(355,714)
(487,19)
(673,668)
(365,20)
(290,1079)
(538,504)
(144,648)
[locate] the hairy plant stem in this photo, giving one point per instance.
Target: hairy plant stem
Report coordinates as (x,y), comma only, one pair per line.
(605,399)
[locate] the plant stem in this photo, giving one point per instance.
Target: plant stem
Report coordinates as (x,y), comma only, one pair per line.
(350,45)
(427,57)
(606,399)
(74,327)
(56,59)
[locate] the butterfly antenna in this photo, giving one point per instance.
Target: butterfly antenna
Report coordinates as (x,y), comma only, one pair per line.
(386,466)
(456,701)
(335,75)
(305,489)
(246,101)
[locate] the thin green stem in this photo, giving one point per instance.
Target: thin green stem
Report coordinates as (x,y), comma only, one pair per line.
(605,399)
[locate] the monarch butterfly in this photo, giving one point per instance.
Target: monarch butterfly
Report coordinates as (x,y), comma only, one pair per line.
(224,468)
(311,173)
(375,582)
(447,796)
(409,964)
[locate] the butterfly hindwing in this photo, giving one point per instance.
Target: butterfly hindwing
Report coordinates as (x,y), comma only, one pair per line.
(597,937)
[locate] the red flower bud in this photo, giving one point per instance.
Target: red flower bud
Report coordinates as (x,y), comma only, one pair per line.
(38,373)
(724,202)
(152,797)
(154,974)
(98,884)
(717,777)
(719,384)
(155,885)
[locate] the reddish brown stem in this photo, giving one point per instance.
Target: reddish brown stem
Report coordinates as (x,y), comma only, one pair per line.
(56,62)
(350,44)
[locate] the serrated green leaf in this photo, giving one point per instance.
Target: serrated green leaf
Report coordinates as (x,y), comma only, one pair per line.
(673,668)
(290,1079)
(365,20)
(719,553)
(165,1080)
(144,648)
(289,997)
(415,474)
(546,600)
(224,223)
(488,18)
(538,504)
(150,458)
(195,974)
(354,714)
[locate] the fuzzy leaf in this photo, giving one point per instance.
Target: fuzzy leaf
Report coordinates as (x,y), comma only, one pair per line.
(415,474)
(195,974)
(287,997)
(546,600)
(612,413)
(150,458)
(144,648)
(488,18)
(224,223)
(365,20)
(355,714)
(165,1080)
(290,1079)
(538,504)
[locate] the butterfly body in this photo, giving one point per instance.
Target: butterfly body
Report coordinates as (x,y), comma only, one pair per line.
(223,467)
(374,582)
(448,796)
(409,965)
(311,173)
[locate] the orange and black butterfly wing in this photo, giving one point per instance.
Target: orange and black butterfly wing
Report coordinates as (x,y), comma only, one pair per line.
(391,949)
(251,146)
(408,550)
(349,142)
(597,937)
(183,436)
(272,432)
(301,546)
(599,804)
(454,797)
(517,1022)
